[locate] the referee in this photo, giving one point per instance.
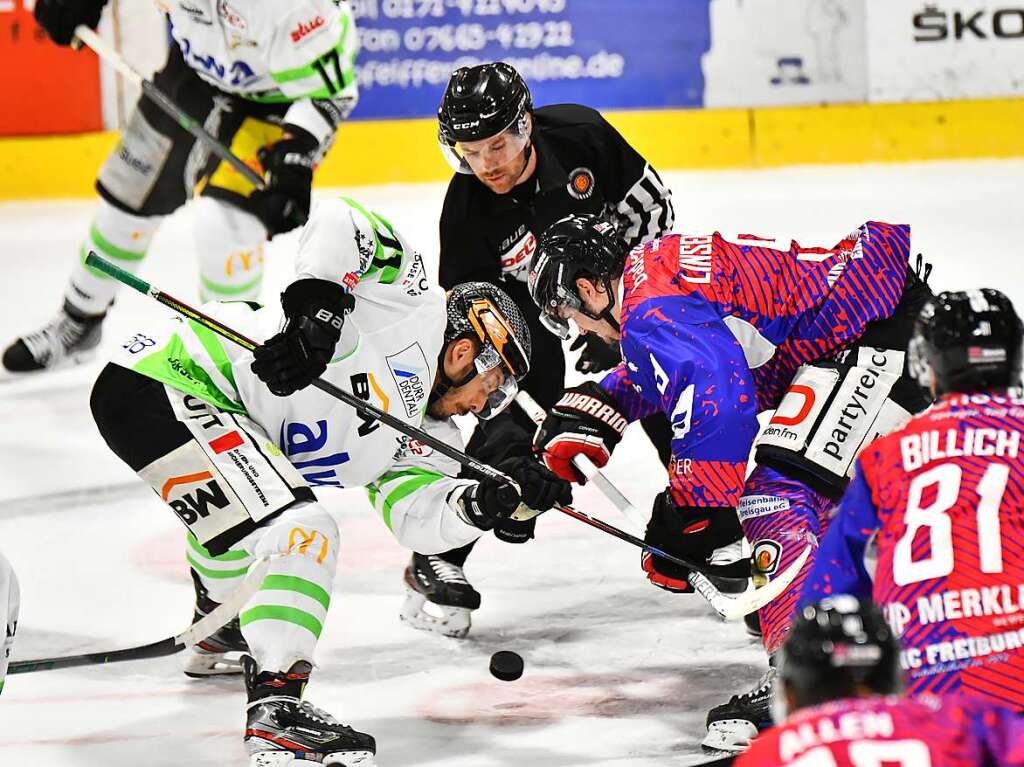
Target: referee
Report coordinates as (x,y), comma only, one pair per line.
(517,171)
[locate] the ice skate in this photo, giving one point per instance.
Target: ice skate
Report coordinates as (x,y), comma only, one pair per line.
(69,339)
(438,597)
(281,729)
(221,652)
(732,725)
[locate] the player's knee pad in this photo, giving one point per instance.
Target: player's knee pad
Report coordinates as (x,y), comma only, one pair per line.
(230,243)
(831,410)
(119,237)
(781,517)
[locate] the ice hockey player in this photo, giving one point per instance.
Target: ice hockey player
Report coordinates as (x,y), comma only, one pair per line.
(10,603)
(942,497)
(838,703)
(519,169)
(234,442)
(272,83)
(714,331)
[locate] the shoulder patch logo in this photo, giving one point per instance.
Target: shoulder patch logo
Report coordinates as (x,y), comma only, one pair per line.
(581,183)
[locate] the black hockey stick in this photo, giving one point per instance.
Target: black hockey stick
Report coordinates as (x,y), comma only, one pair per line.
(112,57)
(197,632)
(363,408)
(728,607)
(366,409)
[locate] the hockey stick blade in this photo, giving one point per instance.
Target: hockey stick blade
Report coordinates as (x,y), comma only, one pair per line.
(735,607)
(197,632)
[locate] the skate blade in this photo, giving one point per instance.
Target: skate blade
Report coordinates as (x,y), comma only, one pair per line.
(447,621)
(283,758)
(728,736)
(199,665)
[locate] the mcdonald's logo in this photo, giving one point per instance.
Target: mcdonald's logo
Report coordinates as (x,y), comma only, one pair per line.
(300,541)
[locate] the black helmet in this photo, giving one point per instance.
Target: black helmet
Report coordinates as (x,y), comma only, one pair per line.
(480,102)
(575,246)
(834,646)
(972,340)
(485,313)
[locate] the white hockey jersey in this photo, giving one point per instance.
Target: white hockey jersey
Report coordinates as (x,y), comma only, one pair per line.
(300,51)
(387,355)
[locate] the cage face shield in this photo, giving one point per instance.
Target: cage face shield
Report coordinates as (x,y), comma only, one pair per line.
(471,157)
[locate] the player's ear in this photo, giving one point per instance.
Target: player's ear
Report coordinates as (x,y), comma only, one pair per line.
(458,358)
(587,290)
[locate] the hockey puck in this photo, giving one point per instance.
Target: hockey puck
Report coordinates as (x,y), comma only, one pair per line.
(506,666)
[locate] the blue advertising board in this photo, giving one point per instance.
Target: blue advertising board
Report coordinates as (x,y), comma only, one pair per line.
(602,53)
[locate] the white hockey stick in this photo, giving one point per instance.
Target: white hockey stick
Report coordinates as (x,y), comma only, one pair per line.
(728,607)
(195,633)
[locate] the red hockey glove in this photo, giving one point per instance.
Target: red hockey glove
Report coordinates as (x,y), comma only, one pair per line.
(688,533)
(584,421)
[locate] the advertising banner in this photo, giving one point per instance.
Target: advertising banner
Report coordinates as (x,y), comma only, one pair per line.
(944,50)
(46,88)
(603,53)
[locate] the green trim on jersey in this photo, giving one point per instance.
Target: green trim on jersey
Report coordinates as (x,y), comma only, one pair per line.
(230,290)
(215,348)
(383,266)
(227,556)
(174,366)
(110,249)
(299,586)
(207,572)
(409,481)
(322,69)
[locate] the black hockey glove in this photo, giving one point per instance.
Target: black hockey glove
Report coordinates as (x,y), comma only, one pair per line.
(597,355)
(288,171)
(314,311)
(60,17)
(541,490)
(690,533)
(488,502)
(584,421)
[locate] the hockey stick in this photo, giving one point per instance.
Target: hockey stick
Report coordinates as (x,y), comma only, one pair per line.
(366,409)
(363,408)
(197,632)
(111,56)
(728,607)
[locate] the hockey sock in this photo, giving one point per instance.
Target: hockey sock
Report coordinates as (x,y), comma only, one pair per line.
(458,556)
(216,576)
(230,243)
(283,621)
(122,239)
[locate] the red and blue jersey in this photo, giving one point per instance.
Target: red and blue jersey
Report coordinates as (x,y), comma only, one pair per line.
(714,330)
(945,494)
(892,732)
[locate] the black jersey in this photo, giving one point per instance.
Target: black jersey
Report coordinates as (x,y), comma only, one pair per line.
(583,166)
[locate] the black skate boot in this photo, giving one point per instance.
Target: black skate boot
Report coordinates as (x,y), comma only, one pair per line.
(733,725)
(221,652)
(70,338)
(281,729)
(438,596)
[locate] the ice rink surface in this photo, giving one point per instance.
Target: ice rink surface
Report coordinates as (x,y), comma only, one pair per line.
(617,672)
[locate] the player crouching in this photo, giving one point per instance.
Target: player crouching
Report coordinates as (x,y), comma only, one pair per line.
(234,441)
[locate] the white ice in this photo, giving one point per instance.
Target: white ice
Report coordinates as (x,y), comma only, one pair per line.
(617,672)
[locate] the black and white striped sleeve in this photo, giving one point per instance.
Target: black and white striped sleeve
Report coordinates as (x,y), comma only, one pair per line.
(645,212)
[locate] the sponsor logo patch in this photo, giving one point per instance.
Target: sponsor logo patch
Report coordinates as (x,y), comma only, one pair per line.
(581,183)
(751,506)
(766,556)
(306,28)
(517,256)
(409,372)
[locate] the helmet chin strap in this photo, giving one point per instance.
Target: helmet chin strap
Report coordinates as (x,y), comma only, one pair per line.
(606,313)
(527,153)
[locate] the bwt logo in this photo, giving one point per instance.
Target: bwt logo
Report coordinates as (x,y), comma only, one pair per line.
(195,505)
(933,25)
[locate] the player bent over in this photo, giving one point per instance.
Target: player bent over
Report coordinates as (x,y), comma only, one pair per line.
(271,81)
(235,442)
(10,602)
(838,703)
(942,497)
(714,331)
